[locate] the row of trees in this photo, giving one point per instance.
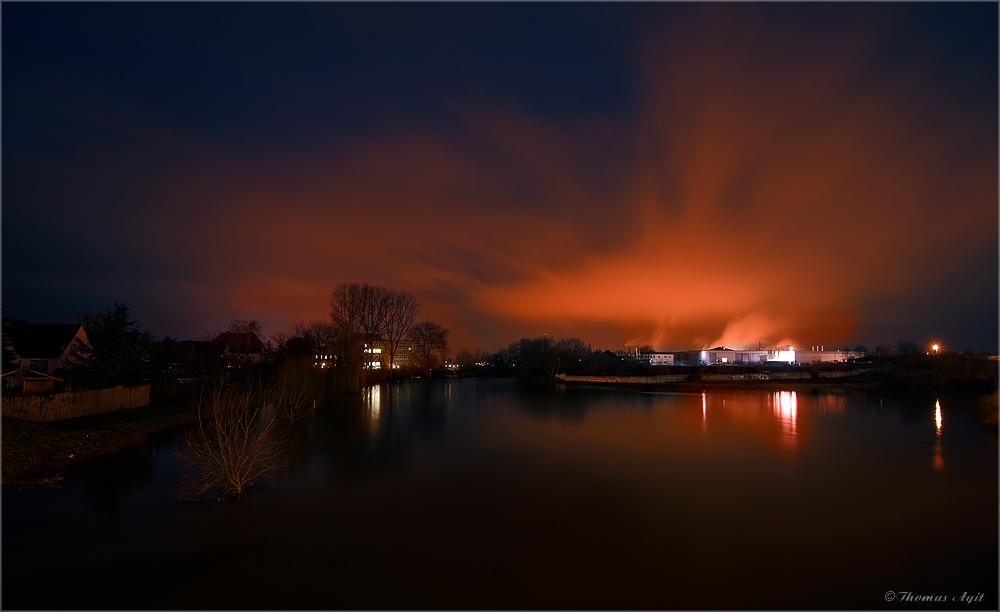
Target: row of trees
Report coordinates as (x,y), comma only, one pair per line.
(373,313)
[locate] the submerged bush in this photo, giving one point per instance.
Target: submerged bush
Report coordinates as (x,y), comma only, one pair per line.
(240,437)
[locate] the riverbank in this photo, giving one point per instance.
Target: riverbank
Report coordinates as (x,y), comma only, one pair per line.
(31,448)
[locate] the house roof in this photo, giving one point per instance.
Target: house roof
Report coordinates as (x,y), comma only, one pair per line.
(43,340)
(241,342)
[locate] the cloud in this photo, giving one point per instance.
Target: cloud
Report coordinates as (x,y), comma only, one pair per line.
(771,186)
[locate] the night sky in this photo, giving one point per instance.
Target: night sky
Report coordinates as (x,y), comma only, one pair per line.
(683,175)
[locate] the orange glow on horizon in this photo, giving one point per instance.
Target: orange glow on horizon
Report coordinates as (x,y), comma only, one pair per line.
(729,210)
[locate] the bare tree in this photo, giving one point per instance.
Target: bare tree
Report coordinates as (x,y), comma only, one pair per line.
(314,336)
(906,347)
(242,326)
(240,437)
(374,311)
(320,334)
(347,306)
(401,312)
(429,340)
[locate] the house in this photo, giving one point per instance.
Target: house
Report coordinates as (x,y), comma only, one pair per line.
(241,347)
(46,348)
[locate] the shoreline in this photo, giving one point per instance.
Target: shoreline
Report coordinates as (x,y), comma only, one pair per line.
(33,450)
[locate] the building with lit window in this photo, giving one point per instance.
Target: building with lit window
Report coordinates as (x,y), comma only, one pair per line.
(719,355)
(407,355)
(659,358)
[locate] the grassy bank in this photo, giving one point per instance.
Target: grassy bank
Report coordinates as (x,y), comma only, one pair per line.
(30,448)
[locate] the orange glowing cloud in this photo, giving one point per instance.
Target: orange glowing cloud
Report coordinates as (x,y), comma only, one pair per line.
(759,194)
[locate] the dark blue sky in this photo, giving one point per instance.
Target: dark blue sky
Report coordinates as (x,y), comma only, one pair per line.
(624,173)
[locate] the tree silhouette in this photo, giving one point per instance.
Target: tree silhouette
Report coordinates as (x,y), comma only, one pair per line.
(905,347)
(400,313)
(118,349)
(375,313)
(429,341)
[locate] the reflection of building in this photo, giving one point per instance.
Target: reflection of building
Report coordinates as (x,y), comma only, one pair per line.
(785,406)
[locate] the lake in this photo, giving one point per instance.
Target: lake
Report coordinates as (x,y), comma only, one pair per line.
(494,493)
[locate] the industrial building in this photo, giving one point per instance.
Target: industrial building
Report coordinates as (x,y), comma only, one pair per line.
(660,358)
(722,355)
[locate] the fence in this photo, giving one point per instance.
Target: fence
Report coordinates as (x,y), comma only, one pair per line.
(56,406)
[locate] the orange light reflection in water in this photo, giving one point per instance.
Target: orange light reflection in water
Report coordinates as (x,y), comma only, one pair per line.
(786,411)
(372,408)
(938,462)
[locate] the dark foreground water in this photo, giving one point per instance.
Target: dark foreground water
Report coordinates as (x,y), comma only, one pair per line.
(491,494)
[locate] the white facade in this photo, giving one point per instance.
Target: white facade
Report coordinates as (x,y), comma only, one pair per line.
(723,356)
(661,359)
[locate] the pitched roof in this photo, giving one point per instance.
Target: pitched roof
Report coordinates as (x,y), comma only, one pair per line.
(43,340)
(241,342)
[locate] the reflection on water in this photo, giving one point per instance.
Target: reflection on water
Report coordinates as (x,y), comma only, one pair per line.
(937,416)
(829,403)
(759,413)
(938,457)
(373,407)
(786,408)
(109,479)
(474,489)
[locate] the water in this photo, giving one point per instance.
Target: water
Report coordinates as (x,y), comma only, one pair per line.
(479,494)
